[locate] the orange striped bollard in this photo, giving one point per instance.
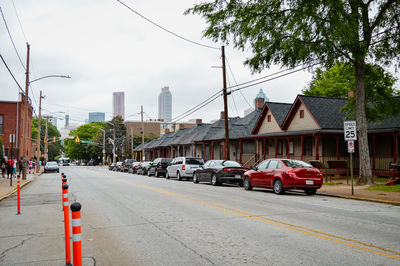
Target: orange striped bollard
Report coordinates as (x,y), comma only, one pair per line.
(66,225)
(76,233)
(64,182)
(19,194)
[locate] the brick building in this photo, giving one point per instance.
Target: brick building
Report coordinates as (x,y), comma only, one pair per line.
(10,113)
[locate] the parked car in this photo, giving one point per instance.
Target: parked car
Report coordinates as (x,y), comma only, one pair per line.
(219,171)
(51,166)
(126,164)
(112,166)
(183,167)
(118,167)
(159,167)
(134,167)
(284,174)
(143,168)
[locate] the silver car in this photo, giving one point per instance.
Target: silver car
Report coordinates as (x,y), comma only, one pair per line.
(183,167)
(51,167)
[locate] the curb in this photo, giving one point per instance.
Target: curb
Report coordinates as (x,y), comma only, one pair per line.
(14,190)
(392,202)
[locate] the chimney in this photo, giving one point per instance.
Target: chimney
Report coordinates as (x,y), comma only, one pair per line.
(259,103)
(222,115)
(350,94)
(181,126)
(199,121)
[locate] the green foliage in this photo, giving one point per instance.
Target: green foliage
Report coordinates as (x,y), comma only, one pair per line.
(394,188)
(381,96)
(54,149)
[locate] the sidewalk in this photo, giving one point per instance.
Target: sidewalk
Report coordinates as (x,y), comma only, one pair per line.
(6,190)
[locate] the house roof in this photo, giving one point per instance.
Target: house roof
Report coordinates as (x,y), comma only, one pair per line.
(278,110)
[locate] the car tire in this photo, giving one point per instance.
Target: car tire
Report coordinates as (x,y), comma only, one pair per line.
(195,178)
(310,191)
(167,176)
(178,176)
(156,174)
(214,180)
(278,187)
(148,173)
(247,184)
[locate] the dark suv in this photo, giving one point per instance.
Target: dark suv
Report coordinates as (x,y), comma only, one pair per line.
(127,164)
(159,167)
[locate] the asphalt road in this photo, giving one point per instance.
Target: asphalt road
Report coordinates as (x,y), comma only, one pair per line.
(138,220)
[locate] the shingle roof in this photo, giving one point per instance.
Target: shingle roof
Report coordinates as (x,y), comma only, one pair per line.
(279,110)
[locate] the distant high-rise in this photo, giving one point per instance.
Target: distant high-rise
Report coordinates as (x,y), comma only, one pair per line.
(66,121)
(165,105)
(119,104)
(97,117)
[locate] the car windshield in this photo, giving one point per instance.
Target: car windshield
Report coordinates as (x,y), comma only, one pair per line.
(51,163)
(296,163)
(166,160)
(195,161)
(231,164)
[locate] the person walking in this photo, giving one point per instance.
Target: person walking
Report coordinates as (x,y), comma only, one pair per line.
(9,165)
(3,168)
(20,166)
(14,167)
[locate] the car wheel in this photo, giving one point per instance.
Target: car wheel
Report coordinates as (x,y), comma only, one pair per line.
(278,187)
(178,176)
(156,173)
(247,184)
(148,173)
(195,178)
(214,180)
(167,176)
(310,191)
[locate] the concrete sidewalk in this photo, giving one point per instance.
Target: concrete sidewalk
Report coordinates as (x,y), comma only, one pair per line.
(6,190)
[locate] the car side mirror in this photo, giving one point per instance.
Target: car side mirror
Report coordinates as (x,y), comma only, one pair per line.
(254,168)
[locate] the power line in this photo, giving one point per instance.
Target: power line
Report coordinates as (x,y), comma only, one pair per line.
(12,41)
(19,21)
(164,29)
(234,79)
(12,75)
(233,99)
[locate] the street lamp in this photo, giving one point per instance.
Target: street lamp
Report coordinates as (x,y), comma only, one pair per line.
(104,142)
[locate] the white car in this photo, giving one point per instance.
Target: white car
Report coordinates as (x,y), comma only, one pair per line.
(183,167)
(51,167)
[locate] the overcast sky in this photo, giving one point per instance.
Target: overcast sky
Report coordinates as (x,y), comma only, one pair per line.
(105,47)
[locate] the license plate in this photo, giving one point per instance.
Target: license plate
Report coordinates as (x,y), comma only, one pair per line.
(238,176)
(309,182)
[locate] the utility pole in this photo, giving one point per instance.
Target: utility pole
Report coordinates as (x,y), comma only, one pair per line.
(226,146)
(46,140)
(141,115)
(132,140)
(114,159)
(38,136)
(25,126)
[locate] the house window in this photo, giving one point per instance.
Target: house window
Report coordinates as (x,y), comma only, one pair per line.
(279,147)
(301,113)
(1,124)
(291,146)
(308,143)
(269,118)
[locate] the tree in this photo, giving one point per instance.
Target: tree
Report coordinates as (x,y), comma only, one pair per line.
(54,149)
(301,31)
(337,81)
(117,124)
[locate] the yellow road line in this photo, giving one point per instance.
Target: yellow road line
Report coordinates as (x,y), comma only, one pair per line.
(301,229)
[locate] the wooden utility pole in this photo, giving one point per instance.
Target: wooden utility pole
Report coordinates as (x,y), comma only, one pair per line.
(38,136)
(132,140)
(141,115)
(25,125)
(46,141)
(226,145)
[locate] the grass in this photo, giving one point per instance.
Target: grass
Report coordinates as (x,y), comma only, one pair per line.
(395,188)
(332,183)
(381,179)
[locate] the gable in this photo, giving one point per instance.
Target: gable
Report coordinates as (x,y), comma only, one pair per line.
(307,122)
(269,126)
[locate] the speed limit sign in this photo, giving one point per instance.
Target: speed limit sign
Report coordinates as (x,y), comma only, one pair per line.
(350,130)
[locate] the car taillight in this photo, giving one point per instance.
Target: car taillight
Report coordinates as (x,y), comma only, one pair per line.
(159,167)
(183,167)
(225,170)
(290,172)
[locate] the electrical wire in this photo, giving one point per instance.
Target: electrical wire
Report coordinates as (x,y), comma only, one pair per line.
(199,107)
(233,99)
(164,29)
(19,21)
(12,75)
(234,79)
(12,41)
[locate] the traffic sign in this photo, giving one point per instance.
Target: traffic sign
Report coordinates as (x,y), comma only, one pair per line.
(86,141)
(77,139)
(12,138)
(350,146)
(350,130)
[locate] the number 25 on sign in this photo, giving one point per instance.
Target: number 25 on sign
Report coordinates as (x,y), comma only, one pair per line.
(350,130)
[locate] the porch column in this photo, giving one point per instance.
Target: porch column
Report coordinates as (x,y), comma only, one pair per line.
(316,147)
(337,148)
(396,148)
(240,150)
(287,147)
(373,155)
(276,147)
(204,151)
(302,146)
(211,150)
(194,150)
(263,148)
(255,150)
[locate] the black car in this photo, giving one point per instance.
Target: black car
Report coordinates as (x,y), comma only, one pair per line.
(143,168)
(112,166)
(219,171)
(159,167)
(127,164)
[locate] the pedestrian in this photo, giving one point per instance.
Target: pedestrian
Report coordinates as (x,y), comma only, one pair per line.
(14,164)
(9,165)
(3,168)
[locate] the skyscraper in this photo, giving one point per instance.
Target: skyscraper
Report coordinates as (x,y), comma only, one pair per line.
(97,117)
(165,105)
(119,104)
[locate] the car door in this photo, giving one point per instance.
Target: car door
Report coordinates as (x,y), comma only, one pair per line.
(209,171)
(269,174)
(258,176)
(200,172)
(171,167)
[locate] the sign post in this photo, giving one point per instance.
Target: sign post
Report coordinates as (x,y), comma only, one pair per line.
(12,140)
(350,134)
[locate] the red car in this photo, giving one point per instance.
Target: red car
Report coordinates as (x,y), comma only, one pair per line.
(284,174)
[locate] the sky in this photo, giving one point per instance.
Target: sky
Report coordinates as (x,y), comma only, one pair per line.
(105,47)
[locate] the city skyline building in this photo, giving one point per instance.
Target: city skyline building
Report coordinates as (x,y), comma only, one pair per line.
(119,104)
(260,94)
(97,117)
(165,104)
